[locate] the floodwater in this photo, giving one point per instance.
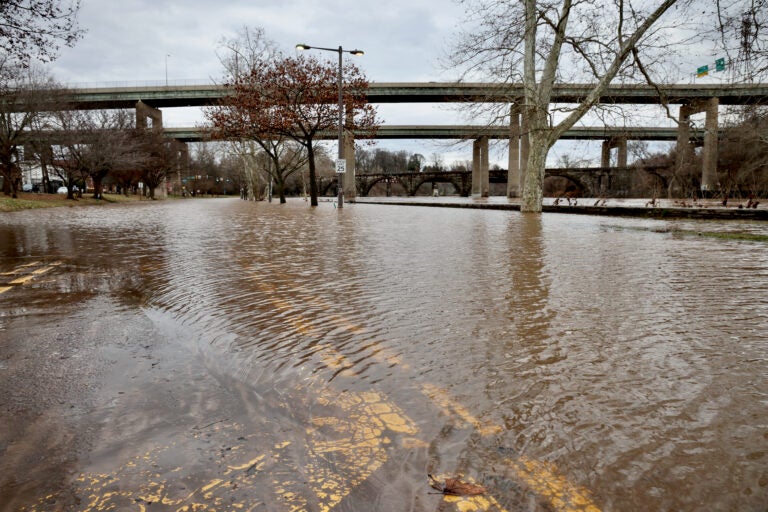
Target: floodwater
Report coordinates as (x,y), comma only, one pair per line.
(225,355)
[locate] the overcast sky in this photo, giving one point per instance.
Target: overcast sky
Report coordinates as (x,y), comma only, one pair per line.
(133,40)
(143,40)
(128,40)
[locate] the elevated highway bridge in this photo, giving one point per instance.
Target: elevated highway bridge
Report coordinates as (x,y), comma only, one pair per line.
(430,92)
(458,132)
(148,100)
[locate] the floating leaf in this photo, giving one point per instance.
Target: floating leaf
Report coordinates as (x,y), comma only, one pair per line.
(455,487)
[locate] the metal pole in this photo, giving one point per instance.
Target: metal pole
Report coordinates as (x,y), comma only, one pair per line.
(340,162)
(340,176)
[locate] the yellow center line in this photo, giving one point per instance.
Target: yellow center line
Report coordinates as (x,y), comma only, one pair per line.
(544,479)
(24,268)
(31,275)
(23,280)
(379,413)
(447,403)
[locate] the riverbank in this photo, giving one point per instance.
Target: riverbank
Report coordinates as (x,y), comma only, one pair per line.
(31,200)
(665,209)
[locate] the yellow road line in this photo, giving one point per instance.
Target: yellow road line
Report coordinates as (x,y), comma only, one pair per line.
(545,481)
(20,269)
(31,275)
(4,289)
(23,268)
(331,488)
(359,439)
(447,403)
(23,280)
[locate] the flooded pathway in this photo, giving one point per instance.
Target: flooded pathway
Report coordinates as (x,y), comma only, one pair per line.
(226,355)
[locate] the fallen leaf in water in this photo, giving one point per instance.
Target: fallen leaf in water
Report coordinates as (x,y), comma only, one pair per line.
(455,487)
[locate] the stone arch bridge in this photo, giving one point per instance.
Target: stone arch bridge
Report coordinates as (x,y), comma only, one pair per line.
(591,181)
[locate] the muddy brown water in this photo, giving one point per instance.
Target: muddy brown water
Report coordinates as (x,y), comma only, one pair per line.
(225,355)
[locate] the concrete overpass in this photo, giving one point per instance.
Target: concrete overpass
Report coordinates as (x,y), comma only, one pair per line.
(431,92)
(459,132)
(148,100)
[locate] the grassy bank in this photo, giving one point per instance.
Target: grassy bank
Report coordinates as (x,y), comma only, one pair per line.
(27,200)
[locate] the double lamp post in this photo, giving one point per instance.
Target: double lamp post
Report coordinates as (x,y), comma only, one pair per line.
(340,162)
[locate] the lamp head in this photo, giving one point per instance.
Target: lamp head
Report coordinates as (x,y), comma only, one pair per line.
(301,46)
(357,52)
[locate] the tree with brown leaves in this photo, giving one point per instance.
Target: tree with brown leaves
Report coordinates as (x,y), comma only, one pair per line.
(294,98)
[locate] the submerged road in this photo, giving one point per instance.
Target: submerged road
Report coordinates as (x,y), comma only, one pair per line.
(226,355)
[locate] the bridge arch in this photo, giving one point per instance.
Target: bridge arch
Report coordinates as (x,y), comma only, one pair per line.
(412,181)
(573,184)
(365,183)
(436,178)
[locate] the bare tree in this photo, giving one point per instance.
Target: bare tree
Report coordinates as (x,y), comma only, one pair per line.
(540,43)
(437,162)
(93,145)
(741,27)
(249,48)
(160,157)
(24,101)
(36,29)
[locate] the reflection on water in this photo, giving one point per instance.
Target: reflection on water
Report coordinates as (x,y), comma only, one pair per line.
(629,361)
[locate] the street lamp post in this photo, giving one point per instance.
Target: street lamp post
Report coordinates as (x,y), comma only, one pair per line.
(340,162)
(166,68)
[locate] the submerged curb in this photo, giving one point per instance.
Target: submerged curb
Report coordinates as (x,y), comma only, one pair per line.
(616,211)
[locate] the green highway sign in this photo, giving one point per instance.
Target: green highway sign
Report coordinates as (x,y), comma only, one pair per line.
(720,65)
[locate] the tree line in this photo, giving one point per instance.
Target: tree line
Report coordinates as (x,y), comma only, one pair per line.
(279,105)
(75,147)
(742,162)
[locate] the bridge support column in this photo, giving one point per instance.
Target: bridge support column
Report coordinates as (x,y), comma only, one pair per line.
(349,183)
(144,112)
(182,164)
(709,182)
(514,177)
(709,163)
(519,146)
(525,147)
(480,181)
(617,142)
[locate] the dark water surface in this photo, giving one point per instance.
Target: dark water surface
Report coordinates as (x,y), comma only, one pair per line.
(254,356)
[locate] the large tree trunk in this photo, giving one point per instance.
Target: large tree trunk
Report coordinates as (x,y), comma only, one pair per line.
(533,181)
(97,185)
(538,92)
(46,178)
(540,142)
(312,177)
